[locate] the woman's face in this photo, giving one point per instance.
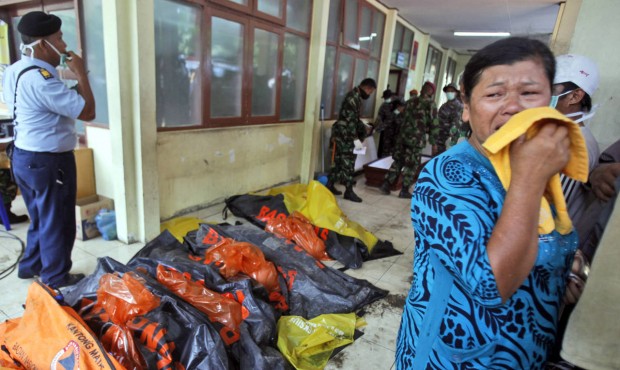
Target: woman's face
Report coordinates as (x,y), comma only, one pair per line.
(501,92)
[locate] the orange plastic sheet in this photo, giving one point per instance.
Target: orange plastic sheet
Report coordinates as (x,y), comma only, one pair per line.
(51,336)
(297,227)
(232,257)
(122,300)
(217,307)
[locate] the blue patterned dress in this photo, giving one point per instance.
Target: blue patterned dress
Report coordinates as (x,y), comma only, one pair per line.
(456,203)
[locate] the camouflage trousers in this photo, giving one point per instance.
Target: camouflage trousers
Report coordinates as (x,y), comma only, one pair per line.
(406,159)
(8,188)
(343,167)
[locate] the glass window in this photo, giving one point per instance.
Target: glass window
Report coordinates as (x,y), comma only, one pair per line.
(298,15)
(328,80)
(377,29)
(366,35)
(433,63)
(333,29)
(361,65)
(95,57)
(264,77)
(345,79)
(294,71)
(407,44)
(177,42)
(226,67)
(69,27)
(350,24)
(398,41)
(271,7)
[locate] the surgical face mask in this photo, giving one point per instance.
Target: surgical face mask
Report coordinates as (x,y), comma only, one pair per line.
(24,47)
(451,95)
(63,57)
(556,98)
(584,116)
(396,112)
(388,100)
(363,94)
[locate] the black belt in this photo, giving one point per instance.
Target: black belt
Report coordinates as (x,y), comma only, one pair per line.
(46,153)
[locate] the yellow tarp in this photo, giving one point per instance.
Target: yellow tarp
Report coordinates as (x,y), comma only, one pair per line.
(318,204)
(308,344)
(180,226)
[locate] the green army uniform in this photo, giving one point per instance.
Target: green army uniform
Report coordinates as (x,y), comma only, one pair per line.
(419,122)
(345,131)
(449,124)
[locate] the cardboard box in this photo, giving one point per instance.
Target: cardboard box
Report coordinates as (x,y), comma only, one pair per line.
(84,162)
(85,211)
(375,172)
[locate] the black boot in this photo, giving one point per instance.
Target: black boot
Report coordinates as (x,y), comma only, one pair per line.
(350,195)
(13,218)
(404,193)
(385,188)
(332,188)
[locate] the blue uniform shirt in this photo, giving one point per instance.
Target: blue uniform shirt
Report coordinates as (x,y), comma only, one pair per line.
(46,108)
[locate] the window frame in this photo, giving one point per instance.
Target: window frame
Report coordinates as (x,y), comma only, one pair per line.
(252,9)
(227,10)
(342,46)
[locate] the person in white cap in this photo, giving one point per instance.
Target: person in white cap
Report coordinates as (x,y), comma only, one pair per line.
(575,82)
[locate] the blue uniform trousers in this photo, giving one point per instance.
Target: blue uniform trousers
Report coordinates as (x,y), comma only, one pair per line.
(47,182)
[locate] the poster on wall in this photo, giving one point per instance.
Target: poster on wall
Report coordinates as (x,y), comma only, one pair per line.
(414,56)
(4,62)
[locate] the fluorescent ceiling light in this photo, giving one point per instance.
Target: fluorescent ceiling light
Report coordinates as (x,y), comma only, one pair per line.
(487,34)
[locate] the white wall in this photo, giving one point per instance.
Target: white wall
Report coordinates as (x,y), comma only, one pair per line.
(597,36)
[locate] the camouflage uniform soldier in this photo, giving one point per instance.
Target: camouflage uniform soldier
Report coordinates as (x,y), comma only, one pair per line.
(348,129)
(419,121)
(449,119)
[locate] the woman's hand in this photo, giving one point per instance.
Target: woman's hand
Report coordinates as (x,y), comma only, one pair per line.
(542,156)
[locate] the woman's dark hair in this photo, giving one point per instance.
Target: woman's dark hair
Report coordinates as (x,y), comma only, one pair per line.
(506,52)
(387,94)
(586,102)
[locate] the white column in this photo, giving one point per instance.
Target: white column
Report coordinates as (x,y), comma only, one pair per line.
(130,69)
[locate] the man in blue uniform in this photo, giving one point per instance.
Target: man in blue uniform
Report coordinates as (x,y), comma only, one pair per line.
(44,111)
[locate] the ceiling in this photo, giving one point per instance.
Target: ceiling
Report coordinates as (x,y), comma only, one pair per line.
(440,18)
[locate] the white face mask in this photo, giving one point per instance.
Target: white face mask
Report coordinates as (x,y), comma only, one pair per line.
(584,116)
(63,57)
(23,48)
(450,95)
(388,100)
(556,98)
(396,112)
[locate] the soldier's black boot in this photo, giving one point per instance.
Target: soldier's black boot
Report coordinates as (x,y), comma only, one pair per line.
(385,188)
(332,188)
(404,193)
(350,195)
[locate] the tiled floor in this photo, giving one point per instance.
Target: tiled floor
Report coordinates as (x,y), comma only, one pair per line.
(386,216)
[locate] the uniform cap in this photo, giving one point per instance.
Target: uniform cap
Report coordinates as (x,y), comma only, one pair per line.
(39,24)
(432,85)
(452,85)
(577,69)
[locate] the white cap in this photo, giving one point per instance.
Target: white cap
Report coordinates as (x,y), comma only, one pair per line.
(577,69)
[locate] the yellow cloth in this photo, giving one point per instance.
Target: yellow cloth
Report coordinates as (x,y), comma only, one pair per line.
(528,122)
